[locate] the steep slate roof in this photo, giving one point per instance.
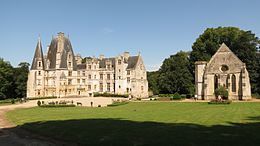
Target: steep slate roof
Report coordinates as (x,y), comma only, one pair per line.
(52,53)
(132,61)
(102,63)
(38,56)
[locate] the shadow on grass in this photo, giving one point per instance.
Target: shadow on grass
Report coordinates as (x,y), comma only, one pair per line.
(124,132)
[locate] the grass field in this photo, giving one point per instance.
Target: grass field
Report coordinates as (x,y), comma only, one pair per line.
(147,123)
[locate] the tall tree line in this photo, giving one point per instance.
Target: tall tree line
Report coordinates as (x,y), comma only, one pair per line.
(13,80)
(177,72)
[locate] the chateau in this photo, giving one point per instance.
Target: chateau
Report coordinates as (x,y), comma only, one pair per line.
(60,73)
(225,69)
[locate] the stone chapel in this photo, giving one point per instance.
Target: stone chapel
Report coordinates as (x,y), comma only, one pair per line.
(225,69)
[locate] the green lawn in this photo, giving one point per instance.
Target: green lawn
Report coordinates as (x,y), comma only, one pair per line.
(147,123)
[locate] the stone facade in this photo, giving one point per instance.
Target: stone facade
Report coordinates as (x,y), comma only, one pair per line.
(61,73)
(226,69)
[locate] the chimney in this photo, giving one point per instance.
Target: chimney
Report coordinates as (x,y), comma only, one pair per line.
(126,55)
(101,57)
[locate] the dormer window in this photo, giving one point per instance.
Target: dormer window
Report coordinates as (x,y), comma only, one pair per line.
(119,62)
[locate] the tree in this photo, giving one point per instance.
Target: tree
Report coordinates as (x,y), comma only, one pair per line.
(20,79)
(6,80)
(152,78)
(243,43)
(175,76)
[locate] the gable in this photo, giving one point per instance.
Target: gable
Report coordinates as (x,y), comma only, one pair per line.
(224,58)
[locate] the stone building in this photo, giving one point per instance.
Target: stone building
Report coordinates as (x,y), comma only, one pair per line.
(226,69)
(61,73)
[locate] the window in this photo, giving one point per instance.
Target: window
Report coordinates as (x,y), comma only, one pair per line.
(69,81)
(101,87)
(127,90)
(119,86)
(119,62)
(89,87)
(39,82)
(89,77)
(39,92)
(70,64)
(95,87)
(234,83)
(128,79)
(39,64)
(70,73)
(119,70)
(101,76)
(95,76)
(83,81)
(142,88)
(78,73)
(78,80)
(108,66)
(108,87)
(39,73)
(108,76)
(119,77)
(83,73)
(215,82)
(89,67)
(128,72)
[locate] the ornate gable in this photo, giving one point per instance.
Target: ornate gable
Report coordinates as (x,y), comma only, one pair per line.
(224,61)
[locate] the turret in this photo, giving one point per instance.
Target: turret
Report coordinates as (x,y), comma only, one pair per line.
(38,59)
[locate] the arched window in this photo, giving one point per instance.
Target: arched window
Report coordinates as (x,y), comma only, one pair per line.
(234,83)
(227,82)
(215,81)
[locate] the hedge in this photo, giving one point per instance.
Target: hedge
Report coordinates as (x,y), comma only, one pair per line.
(110,95)
(47,97)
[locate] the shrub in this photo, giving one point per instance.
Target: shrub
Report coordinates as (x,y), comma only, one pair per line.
(256,95)
(220,101)
(39,103)
(96,94)
(116,103)
(58,105)
(222,92)
(36,98)
(176,96)
(13,101)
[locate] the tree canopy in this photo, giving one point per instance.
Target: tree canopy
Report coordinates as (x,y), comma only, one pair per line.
(13,80)
(175,75)
(177,72)
(243,43)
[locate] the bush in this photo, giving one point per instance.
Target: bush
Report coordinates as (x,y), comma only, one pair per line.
(116,103)
(47,97)
(58,105)
(13,101)
(220,101)
(39,103)
(177,96)
(256,96)
(222,92)
(96,94)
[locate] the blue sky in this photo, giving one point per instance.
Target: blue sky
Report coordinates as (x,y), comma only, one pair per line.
(156,28)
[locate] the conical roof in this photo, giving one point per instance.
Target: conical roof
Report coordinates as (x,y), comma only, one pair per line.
(38,56)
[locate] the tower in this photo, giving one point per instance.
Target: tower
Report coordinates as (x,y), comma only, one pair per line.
(199,78)
(35,83)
